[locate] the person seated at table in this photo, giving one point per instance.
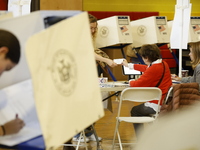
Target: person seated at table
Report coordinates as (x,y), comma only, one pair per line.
(156,73)
(195,61)
(9,58)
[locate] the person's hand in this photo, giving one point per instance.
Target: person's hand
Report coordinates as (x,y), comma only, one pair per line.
(175,77)
(111,63)
(125,63)
(13,126)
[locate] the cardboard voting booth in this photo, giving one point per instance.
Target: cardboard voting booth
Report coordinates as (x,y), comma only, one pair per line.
(16,86)
(24,27)
(67,97)
(150,30)
(194,29)
(114,30)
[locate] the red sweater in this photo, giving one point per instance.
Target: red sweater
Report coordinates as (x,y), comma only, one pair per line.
(151,76)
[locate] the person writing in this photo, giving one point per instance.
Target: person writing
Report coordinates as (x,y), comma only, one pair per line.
(9,58)
(195,61)
(156,73)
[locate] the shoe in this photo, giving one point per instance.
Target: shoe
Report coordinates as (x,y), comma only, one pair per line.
(92,138)
(76,139)
(68,148)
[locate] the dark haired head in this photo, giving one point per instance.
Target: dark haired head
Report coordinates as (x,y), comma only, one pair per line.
(10,41)
(92,18)
(150,51)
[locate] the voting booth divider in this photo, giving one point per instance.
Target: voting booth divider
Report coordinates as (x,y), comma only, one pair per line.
(69,95)
(70,38)
(194,28)
(24,27)
(114,30)
(150,30)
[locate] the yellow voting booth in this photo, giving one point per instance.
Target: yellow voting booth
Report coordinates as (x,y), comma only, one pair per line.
(63,69)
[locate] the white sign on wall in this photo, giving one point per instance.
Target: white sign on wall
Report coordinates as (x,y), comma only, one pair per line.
(19,7)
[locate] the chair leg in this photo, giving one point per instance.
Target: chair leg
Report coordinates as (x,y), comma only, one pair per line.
(116,130)
(96,137)
(78,144)
(85,140)
(119,139)
(79,140)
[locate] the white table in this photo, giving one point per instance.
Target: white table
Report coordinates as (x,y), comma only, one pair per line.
(114,86)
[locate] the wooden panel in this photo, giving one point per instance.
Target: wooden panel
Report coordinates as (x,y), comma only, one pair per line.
(61,4)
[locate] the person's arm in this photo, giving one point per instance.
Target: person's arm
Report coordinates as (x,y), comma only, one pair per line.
(139,67)
(175,77)
(11,127)
(197,74)
(108,61)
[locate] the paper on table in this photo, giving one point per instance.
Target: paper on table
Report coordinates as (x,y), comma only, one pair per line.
(118,61)
(18,99)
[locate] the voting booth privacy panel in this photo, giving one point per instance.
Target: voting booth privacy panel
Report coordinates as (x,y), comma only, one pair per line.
(23,27)
(67,97)
(114,30)
(194,28)
(150,30)
(16,86)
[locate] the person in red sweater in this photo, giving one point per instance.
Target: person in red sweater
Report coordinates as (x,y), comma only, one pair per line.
(156,73)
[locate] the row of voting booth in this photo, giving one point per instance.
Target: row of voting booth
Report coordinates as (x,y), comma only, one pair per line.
(151,30)
(111,31)
(43,45)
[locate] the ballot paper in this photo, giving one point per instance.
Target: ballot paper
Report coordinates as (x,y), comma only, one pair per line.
(118,61)
(63,69)
(18,99)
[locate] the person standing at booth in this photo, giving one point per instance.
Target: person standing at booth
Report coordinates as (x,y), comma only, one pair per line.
(156,73)
(101,57)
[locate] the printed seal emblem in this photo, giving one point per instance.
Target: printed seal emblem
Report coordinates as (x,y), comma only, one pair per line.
(64,72)
(141,30)
(104,31)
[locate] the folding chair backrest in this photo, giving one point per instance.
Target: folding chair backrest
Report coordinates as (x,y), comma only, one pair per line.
(141,94)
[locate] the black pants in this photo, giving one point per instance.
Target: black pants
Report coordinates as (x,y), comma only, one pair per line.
(141,110)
